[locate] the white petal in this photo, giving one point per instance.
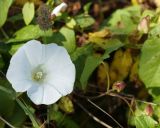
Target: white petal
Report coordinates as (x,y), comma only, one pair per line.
(60,70)
(57,58)
(43,94)
(63,80)
(22,85)
(50,51)
(19,71)
(34,52)
(59,8)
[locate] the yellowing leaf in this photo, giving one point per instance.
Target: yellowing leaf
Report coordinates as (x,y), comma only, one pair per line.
(134,2)
(100,37)
(134,70)
(120,66)
(101,34)
(102,76)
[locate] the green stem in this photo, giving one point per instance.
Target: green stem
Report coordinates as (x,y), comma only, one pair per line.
(6,122)
(4,33)
(48,118)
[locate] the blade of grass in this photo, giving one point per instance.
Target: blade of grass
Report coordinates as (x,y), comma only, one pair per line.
(6,122)
(26,109)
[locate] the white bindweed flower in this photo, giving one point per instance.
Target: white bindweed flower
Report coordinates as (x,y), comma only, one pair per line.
(46,72)
(58,9)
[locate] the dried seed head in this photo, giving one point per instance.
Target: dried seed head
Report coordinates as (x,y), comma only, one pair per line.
(44,17)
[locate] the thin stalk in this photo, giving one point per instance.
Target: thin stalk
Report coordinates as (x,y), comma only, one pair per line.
(6,122)
(91,115)
(4,33)
(105,113)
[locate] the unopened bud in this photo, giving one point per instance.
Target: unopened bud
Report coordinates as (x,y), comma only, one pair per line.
(143,26)
(149,110)
(66,105)
(58,9)
(119,86)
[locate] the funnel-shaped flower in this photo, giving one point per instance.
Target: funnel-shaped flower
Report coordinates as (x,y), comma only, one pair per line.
(46,72)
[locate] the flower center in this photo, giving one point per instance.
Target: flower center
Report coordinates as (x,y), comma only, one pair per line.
(38,76)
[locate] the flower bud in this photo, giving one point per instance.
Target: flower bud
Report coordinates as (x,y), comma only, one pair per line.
(58,9)
(143,26)
(66,105)
(119,86)
(149,110)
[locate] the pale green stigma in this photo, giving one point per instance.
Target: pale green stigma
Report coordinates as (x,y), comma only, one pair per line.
(38,76)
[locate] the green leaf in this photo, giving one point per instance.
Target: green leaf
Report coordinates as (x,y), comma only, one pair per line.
(81,51)
(70,41)
(14,48)
(71,23)
(122,18)
(84,21)
(29,32)
(4,6)
(155,91)
(2,124)
(117,17)
(7,104)
(56,37)
(110,46)
(122,26)
(7,95)
(93,61)
(149,69)
(63,121)
(1,62)
(87,7)
(129,12)
(18,117)
(155,31)
(28,12)
(144,121)
(15,18)
(158,126)
(149,13)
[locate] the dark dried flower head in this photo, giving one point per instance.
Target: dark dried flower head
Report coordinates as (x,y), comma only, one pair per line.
(119,86)
(44,17)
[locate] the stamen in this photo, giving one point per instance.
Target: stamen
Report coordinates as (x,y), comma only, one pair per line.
(38,76)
